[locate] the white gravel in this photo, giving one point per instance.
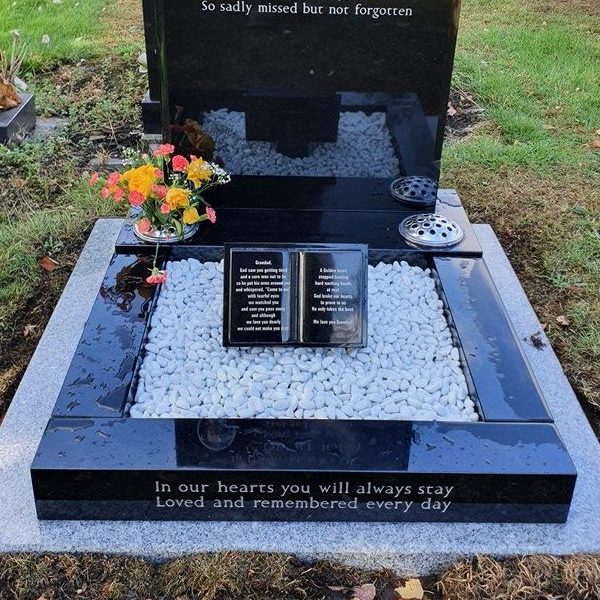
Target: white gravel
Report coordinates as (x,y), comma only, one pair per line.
(363,149)
(410,369)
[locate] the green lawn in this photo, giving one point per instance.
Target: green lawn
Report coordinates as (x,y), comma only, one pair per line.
(537,76)
(530,169)
(76,29)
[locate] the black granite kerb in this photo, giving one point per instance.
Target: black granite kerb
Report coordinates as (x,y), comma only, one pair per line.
(94,462)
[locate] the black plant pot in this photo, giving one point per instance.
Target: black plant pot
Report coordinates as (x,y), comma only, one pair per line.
(17,122)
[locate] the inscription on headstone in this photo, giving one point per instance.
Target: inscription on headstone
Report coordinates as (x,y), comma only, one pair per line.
(260,309)
(313,296)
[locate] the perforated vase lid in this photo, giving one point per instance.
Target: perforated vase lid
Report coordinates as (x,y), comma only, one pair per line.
(430,231)
(415,191)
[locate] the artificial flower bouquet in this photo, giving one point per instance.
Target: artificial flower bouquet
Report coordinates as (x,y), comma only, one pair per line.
(168,192)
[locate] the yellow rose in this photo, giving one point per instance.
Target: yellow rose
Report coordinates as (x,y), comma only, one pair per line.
(177,197)
(141,179)
(190,216)
(198,171)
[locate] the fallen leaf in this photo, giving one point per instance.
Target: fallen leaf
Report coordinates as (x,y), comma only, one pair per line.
(562,320)
(337,588)
(451,110)
(595,145)
(364,592)
(28,330)
(597,131)
(411,590)
(48,264)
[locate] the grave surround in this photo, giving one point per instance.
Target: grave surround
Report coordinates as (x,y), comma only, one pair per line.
(510,466)
(293,80)
(410,548)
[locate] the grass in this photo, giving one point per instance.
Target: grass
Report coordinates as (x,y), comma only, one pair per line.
(217,576)
(256,576)
(46,207)
(530,169)
(77,29)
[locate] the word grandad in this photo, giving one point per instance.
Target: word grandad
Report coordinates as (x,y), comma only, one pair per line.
(367,496)
(305,8)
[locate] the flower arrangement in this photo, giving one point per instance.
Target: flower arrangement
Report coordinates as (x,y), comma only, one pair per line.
(168,192)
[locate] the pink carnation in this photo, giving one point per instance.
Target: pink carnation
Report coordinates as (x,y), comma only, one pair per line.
(135,198)
(160,190)
(119,195)
(180,163)
(211,214)
(165,209)
(144,225)
(164,150)
(157,277)
(113,179)
(93,178)
(105,192)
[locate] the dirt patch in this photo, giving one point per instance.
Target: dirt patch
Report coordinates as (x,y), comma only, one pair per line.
(464,115)
(20,337)
(100,104)
(589,7)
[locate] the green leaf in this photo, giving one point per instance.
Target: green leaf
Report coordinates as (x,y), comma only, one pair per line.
(178,228)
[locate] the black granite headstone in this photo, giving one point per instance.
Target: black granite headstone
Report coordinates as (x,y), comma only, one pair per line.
(291,70)
(296,295)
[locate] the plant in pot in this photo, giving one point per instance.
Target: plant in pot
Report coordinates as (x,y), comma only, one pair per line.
(167,194)
(17,109)
(10,65)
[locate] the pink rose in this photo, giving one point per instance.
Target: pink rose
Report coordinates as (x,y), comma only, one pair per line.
(93,178)
(135,198)
(211,214)
(165,209)
(179,163)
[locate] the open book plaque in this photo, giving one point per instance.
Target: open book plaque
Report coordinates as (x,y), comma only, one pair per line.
(299,295)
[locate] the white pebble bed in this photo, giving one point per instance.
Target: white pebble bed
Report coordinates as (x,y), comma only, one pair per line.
(363,149)
(410,369)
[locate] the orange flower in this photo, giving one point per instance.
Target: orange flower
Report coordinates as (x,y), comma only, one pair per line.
(140,180)
(177,198)
(198,171)
(190,215)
